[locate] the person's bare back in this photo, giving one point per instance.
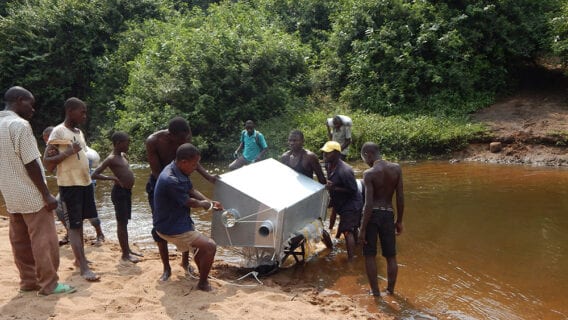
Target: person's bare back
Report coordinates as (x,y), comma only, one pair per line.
(385,177)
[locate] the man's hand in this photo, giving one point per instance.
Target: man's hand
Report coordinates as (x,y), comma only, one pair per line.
(361,237)
(399,227)
(50,202)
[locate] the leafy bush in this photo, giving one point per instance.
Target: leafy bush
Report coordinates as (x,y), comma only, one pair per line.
(217,69)
(52,48)
(395,56)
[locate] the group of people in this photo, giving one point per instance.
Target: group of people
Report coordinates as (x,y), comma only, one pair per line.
(364,217)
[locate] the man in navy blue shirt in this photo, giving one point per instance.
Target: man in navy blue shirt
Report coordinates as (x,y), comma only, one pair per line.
(346,199)
(174,195)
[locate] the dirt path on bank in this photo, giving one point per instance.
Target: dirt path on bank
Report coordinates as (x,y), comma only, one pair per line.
(531,125)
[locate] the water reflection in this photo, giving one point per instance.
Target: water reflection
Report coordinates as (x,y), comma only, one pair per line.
(481,242)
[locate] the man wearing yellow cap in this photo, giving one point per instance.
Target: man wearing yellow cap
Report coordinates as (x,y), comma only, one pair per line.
(346,200)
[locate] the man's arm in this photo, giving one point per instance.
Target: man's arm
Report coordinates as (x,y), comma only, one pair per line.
(203,172)
(97,174)
(263,145)
(399,202)
(347,137)
(197,199)
(34,172)
(152,156)
(367,206)
(328,130)
(316,167)
(52,157)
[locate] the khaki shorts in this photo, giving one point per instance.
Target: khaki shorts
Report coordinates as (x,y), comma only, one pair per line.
(182,241)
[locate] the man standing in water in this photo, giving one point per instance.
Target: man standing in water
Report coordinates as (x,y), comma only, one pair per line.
(345,196)
(301,160)
(381,181)
(161,147)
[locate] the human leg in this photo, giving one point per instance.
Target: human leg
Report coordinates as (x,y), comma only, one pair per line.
(72,200)
(239,162)
(164,255)
(22,251)
(370,253)
(204,256)
(387,236)
(45,248)
(371,270)
(61,217)
(392,272)
(96,223)
(122,234)
(350,245)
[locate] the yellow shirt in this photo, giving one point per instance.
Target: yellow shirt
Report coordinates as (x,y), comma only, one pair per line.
(74,170)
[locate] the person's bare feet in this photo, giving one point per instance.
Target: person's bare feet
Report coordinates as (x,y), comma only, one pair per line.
(136,254)
(130,258)
(98,241)
(90,276)
(166,275)
(204,286)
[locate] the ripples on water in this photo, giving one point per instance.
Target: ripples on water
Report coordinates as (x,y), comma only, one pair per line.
(480,242)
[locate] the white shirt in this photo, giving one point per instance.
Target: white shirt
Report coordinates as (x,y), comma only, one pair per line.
(18,147)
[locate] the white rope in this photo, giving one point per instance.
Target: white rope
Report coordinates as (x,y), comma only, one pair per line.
(253,273)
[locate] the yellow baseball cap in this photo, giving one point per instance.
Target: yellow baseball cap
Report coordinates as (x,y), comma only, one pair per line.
(331,146)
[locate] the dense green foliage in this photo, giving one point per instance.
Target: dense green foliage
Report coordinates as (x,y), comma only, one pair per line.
(400,137)
(51,47)
(395,56)
(221,68)
(408,72)
(560,37)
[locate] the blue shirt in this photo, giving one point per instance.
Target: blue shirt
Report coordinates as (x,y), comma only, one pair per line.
(171,213)
(252,145)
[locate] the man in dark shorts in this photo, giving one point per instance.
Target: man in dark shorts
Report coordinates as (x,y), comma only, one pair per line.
(121,194)
(345,197)
(161,147)
(301,160)
(66,150)
(381,182)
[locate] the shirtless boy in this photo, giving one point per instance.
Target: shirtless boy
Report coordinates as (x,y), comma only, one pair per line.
(381,182)
(121,194)
(161,147)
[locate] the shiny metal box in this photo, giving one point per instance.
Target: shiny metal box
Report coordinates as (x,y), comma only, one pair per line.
(266,203)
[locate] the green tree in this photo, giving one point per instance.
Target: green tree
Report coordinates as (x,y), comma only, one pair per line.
(52,46)
(397,56)
(216,68)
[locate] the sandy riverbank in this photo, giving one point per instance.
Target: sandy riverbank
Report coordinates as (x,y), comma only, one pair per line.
(131,291)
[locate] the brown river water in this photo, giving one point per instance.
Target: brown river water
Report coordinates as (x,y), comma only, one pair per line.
(481,241)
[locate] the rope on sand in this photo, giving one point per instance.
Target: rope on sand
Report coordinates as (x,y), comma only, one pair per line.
(232,283)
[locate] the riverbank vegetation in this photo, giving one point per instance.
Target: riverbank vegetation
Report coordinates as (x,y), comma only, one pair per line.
(409,73)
